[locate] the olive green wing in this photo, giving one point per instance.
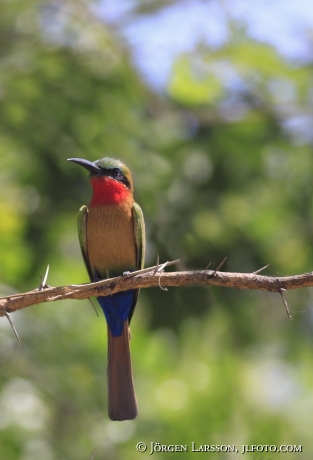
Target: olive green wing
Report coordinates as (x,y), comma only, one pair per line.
(140,241)
(140,235)
(82,236)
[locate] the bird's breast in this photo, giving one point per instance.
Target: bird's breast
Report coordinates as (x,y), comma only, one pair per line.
(110,240)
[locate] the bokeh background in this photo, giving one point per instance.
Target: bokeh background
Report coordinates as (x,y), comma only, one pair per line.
(210,105)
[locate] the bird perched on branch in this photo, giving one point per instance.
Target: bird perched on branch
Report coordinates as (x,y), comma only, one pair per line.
(112,240)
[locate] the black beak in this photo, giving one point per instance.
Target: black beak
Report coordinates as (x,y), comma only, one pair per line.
(92,167)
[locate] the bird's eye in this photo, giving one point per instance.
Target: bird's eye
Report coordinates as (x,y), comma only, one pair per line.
(115,172)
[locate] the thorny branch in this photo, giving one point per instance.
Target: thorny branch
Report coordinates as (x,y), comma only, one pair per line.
(150,277)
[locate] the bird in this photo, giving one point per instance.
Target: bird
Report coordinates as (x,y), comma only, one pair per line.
(111,234)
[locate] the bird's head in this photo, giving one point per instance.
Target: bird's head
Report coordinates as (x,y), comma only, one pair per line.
(107,167)
(108,176)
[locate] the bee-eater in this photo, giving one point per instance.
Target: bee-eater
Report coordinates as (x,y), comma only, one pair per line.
(112,240)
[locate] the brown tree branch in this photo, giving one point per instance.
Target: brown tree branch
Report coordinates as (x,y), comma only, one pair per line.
(154,277)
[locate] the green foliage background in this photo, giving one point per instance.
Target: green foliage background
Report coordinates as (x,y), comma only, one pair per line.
(220,169)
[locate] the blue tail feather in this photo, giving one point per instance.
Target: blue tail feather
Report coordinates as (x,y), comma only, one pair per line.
(116,309)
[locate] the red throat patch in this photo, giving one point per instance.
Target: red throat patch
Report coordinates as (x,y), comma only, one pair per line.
(108,191)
